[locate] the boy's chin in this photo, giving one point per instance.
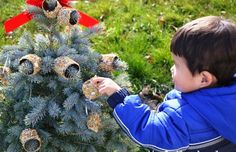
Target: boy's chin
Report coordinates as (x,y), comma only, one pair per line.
(184,91)
(181,90)
(176,88)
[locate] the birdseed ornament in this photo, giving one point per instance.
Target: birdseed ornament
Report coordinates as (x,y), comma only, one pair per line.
(51,8)
(4,73)
(30,140)
(94,122)
(68,16)
(110,62)
(90,90)
(30,64)
(66,67)
(25,16)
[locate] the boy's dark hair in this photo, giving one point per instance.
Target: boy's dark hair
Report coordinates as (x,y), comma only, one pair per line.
(208,44)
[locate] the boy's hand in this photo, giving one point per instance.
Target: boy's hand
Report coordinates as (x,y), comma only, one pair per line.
(105,86)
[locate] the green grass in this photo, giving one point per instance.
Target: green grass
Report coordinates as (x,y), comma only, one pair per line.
(133,30)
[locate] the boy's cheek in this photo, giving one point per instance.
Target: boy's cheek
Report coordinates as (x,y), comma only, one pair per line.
(173,76)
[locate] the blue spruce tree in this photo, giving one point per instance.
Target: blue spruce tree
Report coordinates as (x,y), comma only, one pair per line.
(47,101)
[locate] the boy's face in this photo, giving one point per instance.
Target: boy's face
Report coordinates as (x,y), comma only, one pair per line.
(183,79)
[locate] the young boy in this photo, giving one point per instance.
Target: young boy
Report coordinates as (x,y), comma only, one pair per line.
(200,113)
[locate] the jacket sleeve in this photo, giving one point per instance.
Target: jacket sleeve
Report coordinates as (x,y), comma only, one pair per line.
(161,131)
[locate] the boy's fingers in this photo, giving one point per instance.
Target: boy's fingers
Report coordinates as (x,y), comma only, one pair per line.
(101,86)
(102,91)
(97,80)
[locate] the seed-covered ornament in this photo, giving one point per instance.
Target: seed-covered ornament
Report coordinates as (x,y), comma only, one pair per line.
(30,140)
(51,8)
(66,67)
(30,64)
(110,62)
(4,73)
(90,91)
(94,122)
(68,16)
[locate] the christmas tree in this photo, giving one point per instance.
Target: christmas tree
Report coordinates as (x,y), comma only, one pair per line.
(47,102)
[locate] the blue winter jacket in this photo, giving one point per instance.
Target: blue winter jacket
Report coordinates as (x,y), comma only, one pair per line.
(183,121)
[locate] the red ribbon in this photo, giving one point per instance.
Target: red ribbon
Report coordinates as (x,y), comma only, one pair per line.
(24,17)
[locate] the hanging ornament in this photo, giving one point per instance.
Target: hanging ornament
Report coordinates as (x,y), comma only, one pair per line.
(30,64)
(110,62)
(68,16)
(24,17)
(90,91)
(30,140)
(51,8)
(66,67)
(4,73)
(94,122)
(9,35)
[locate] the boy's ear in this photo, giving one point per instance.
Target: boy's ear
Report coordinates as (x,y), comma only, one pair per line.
(207,79)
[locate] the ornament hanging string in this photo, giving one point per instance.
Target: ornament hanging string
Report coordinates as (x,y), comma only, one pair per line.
(24,17)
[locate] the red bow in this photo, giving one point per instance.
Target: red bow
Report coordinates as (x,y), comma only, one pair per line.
(25,16)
